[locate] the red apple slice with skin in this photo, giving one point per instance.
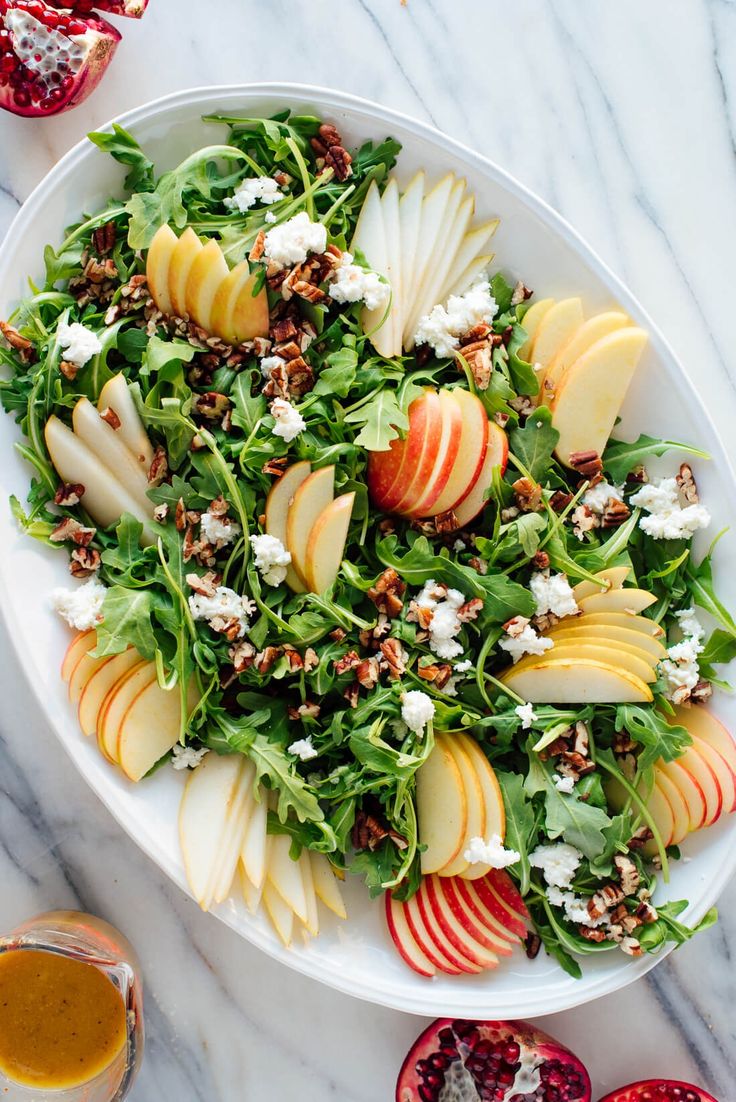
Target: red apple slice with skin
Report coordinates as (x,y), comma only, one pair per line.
(420,501)
(208,271)
(158,264)
(459,957)
(444,961)
(104,678)
(310,499)
(630,601)
(326,544)
(689,789)
(494,921)
(724,776)
(531,321)
(186,251)
(680,811)
(500,882)
(112,451)
(278,503)
(458,934)
(483,889)
(116,703)
(487,933)
(707,781)
(116,395)
(662,815)
(81,674)
(612,578)
(408,949)
(149,729)
(600,325)
(476,824)
(326,884)
(492,799)
(703,724)
(442,809)
(471,451)
(579,681)
(419,451)
(646,645)
(80,644)
(475,501)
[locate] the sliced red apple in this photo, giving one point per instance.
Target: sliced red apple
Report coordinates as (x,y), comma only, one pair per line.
(408,949)
(690,791)
(678,806)
(485,891)
(326,543)
(703,775)
(457,933)
(488,911)
(470,454)
(461,958)
(105,675)
(82,642)
(310,499)
(475,501)
(726,779)
(444,961)
(420,500)
(418,452)
(488,933)
(442,809)
(158,263)
(149,728)
(703,724)
(115,704)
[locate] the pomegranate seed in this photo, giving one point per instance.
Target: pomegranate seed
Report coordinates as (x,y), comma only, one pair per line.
(8,64)
(76,26)
(33,7)
(22,98)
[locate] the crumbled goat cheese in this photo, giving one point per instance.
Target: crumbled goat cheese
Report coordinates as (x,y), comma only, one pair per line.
(575,908)
(81,607)
(558,863)
(463,667)
(186,757)
(269,216)
(445,623)
(553,593)
(289,421)
(79,344)
(269,364)
(458,545)
(526,714)
(271,558)
(667,519)
(598,496)
(219,531)
(490,853)
(247,194)
(442,328)
(563,784)
(304,749)
(680,668)
(526,642)
(351,283)
(226,605)
(292,241)
(417,709)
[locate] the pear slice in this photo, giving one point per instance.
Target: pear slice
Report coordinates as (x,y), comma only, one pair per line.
(278,504)
(619,619)
(149,729)
(628,600)
(312,920)
(469,276)
(116,703)
(254,853)
(286,876)
(232,844)
(442,232)
(392,230)
(644,645)
(326,543)
(204,814)
(600,325)
(531,321)
(583,681)
(280,913)
(187,249)
(251,895)
(208,271)
(410,216)
(116,395)
(556,329)
(599,651)
(249,318)
(470,251)
(238,284)
(612,578)
(434,213)
(310,500)
(370,239)
(102,439)
(158,264)
(326,884)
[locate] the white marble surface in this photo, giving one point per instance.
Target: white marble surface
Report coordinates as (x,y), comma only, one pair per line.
(623,116)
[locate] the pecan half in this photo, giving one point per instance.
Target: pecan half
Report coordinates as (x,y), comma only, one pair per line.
(628,873)
(18,342)
(242,655)
(68,494)
(259,246)
(266,658)
(588,464)
(367,672)
(205,584)
(159,468)
(349,661)
(212,405)
(615,513)
(104,238)
(528,495)
(69,370)
(180,516)
(311,660)
(339,160)
(369,831)
(393,657)
(446,522)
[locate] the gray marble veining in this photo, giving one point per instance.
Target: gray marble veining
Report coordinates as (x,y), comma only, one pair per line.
(622,116)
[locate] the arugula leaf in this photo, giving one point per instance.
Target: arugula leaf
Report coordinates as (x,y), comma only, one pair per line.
(580,824)
(621,457)
(382,419)
(160,353)
(520,823)
(124,148)
(340,375)
(719,649)
(649,727)
(700,579)
(126,623)
(533,445)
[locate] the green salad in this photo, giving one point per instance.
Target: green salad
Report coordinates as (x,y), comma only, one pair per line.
(337,697)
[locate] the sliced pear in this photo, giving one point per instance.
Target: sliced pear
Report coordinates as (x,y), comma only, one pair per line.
(434,212)
(592,392)
(104,498)
(254,853)
(600,325)
(326,544)
(312,920)
(286,876)
(531,321)
(608,652)
(603,634)
(116,395)
(280,913)
(208,271)
(278,504)
(225,299)
(555,330)
(112,451)
(476,825)
(370,239)
(629,601)
(469,252)
(231,846)
(410,216)
(612,578)
(619,619)
(250,312)
(186,251)
(392,230)
(311,499)
(442,809)
(148,730)
(116,703)
(326,884)
(576,682)
(251,895)
(158,263)
(424,297)
(477,269)
(105,676)
(204,814)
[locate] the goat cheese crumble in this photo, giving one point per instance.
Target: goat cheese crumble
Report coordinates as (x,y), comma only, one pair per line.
(490,853)
(292,241)
(186,757)
(442,328)
(351,283)
(553,593)
(563,784)
(81,606)
(668,519)
(289,421)
(417,710)
(269,364)
(304,749)
(598,496)
(247,194)
(78,343)
(558,862)
(526,714)
(575,908)
(219,531)
(463,667)
(680,668)
(445,624)
(524,642)
(221,609)
(271,558)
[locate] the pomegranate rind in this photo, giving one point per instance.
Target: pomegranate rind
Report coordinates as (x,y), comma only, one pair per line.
(633,1092)
(537,1047)
(102,41)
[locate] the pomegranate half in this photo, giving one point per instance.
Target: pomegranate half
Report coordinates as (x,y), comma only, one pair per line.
(490,1062)
(659,1090)
(50,58)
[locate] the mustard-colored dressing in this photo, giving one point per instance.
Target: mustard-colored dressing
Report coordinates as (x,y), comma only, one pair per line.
(62,1021)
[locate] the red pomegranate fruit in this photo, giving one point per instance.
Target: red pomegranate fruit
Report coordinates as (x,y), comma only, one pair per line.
(459,1061)
(50,58)
(659,1090)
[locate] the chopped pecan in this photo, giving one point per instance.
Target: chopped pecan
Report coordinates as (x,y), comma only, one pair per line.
(108,414)
(308,291)
(84,562)
(212,405)
(308,710)
(582,739)
(479,565)
(104,238)
(68,494)
(603,901)
(369,831)
(628,873)
(242,655)
(206,584)
(541,560)
(289,350)
(522,405)
(15,339)
(69,370)
(470,610)
(532,945)
(180,516)
(161,512)
(349,661)
(501,419)
(367,672)
(593,933)
(515,626)
(283,331)
(528,495)
(520,294)
(572,764)
(275,466)
(388,593)
(266,658)
(544,621)
(687,485)
(159,468)
(337,635)
(623,742)
(393,657)
(703,691)
(300,377)
(479,359)
(100,271)
(614,514)
(640,838)
(311,660)
(584,520)
(352,694)
(560,500)
(588,464)
(218,507)
(329,135)
(446,522)
(259,246)
(71,530)
(631,947)
(339,160)
(646,913)
(438,673)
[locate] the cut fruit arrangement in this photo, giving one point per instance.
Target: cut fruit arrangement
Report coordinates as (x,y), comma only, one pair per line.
(365,561)
(52,55)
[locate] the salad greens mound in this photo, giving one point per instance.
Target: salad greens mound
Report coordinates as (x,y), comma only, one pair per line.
(316,688)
